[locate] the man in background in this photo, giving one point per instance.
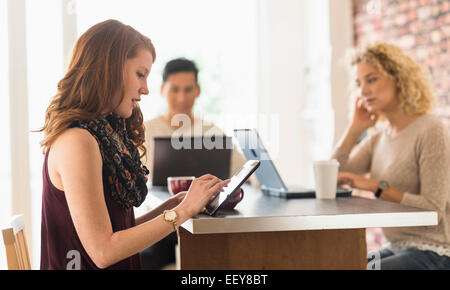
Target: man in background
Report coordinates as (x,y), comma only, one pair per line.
(181,89)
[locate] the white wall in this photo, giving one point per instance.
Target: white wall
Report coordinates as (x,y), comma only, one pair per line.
(281,83)
(300,44)
(341,35)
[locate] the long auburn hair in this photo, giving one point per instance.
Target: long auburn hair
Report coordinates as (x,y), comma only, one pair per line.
(94,76)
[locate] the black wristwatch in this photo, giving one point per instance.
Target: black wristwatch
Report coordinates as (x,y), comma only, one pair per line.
(382,185)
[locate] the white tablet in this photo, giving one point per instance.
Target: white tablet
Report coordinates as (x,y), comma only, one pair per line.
(235,183)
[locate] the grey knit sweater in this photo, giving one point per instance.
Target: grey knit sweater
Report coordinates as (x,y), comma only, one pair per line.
(417,162)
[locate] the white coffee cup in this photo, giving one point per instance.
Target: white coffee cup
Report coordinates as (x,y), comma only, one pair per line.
(325,177)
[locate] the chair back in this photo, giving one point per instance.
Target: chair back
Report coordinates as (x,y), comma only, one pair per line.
(16,245)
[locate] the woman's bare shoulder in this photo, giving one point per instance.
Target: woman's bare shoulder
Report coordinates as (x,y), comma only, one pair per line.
(75,143)
(75,150)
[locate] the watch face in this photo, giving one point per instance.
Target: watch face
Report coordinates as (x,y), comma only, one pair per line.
(170,215)
(384,184)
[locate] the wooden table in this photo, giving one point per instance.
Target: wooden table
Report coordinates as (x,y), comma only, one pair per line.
(271,233)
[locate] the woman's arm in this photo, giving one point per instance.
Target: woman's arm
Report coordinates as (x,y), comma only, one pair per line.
(352,157)
(368,184)
(81,177)
(166,205)
(358,160)
(434,170)
(362,120)
(349,139)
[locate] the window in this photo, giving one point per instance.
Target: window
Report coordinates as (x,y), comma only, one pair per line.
(220,36)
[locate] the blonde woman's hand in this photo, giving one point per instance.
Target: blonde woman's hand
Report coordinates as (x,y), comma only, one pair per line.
(203,190)
(357,181)
(362,117)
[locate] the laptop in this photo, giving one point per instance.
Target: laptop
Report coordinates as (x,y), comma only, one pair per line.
(267,174)
(191,156)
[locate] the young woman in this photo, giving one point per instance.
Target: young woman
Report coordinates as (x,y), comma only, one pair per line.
(407,155)
(93,144)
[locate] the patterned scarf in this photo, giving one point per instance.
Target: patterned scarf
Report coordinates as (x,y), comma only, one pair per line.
(123,171)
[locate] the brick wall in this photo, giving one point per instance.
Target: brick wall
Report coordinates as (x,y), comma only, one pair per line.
(420,27)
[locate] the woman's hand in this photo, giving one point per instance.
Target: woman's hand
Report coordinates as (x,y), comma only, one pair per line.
(362,120)
(203,190)
(362,117)
(233,201)
(229,205)
(358,182)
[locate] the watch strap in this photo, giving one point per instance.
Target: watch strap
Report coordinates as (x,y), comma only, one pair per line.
(382,185)
(378,192)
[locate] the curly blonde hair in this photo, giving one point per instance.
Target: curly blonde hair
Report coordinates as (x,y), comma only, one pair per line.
(414,92)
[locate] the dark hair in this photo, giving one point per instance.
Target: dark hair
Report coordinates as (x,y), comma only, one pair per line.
(179,65)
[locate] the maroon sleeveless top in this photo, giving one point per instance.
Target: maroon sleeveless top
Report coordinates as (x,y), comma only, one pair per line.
(60,246)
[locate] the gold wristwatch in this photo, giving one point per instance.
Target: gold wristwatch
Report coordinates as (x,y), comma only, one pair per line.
(171,216)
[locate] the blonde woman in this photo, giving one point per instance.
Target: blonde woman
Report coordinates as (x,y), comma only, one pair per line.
(407,154)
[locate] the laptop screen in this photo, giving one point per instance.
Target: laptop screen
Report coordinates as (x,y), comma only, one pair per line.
(191,156)
(253,148)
